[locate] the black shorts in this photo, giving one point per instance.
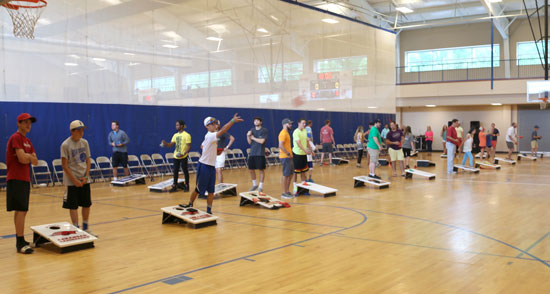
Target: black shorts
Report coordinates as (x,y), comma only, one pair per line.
(77,196)
(300,163)
(407,152)
(120,159)
(17,195)
(256,162)
(327,147)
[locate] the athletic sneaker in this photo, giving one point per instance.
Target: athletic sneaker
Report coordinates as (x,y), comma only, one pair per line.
(375,177)
(310,180)
(287,196)
(260,190)
(25,249)
(254,188)
(174,189)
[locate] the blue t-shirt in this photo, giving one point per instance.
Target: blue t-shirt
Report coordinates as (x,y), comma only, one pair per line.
(489,138)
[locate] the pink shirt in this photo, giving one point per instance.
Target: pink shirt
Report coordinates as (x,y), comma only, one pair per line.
(326,133)
(429,135)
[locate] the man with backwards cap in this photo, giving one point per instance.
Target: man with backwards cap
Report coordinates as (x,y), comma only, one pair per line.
(19,154)
(75,160)
(206,171)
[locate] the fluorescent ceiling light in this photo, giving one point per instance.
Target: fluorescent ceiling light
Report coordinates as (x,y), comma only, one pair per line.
(494,1)
(133,63)
(74,56)
(496,104)
(98,59)
(372,107)
(44,21)
(214,39)
(71,64)
(274,18)
(218,28)
(262,30)
(321,108)
(329,20)
(404,9)
(173,35)
(112,2)
(129,54)
(430,105)
(170,46)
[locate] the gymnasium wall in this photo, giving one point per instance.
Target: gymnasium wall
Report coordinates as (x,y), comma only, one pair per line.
(89,51)
(148,125)
(420,117)
(528,117)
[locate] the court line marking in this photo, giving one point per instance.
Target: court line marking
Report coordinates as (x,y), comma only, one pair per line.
(535,244)
(364,219)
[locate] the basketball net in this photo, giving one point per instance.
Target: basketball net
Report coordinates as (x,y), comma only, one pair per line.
(24,15)
(543,103)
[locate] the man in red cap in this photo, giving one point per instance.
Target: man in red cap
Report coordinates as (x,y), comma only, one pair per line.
(19,154)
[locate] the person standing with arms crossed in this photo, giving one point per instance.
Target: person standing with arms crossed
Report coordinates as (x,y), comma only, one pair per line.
(182,140)
(285,154)
(256,137)
(19,155)
(452,144)
(327,141)
(119,139)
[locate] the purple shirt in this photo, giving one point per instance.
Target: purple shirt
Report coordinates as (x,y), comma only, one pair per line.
(394,137)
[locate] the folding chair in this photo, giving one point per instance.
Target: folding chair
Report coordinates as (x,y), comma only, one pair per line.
(3,175)
(149,166)
(41,173)
(162,165)
(239,158)
(105,167)
(169,160)
(229,159)
(193,159)
(134,166)
(95,172)
(275,151)
(58,171)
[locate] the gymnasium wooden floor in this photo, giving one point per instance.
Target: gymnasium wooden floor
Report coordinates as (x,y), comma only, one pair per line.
(486,233)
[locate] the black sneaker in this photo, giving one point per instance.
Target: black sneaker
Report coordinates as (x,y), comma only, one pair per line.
(186,188)
(174,189)
(185,205)
(375,177)
(24,248)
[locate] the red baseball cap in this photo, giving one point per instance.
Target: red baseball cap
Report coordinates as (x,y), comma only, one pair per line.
(24,116)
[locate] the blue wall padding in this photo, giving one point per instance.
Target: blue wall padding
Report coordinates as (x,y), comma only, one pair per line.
(148,125)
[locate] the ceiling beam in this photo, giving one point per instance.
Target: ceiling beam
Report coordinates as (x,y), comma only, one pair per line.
(501,23)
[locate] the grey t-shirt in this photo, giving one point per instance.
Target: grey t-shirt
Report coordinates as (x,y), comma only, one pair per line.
(76,154)
(257,149)
(407,143)
(223,140)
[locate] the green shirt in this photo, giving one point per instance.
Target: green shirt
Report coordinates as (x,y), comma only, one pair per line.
(374,133)
(300,136)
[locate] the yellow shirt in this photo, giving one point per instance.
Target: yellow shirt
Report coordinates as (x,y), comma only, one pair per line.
(284,137)
(299,136)
(181,140)
(459,132)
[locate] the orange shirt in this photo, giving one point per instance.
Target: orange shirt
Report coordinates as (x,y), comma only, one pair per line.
(482,139)
(284,137)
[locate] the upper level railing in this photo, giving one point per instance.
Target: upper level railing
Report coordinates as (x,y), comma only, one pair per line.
(469,71)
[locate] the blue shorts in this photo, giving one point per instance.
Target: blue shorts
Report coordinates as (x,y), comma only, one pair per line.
(310,164)
(206,178)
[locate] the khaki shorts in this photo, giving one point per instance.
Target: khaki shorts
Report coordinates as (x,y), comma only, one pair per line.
(373,153)
(396,154)
(534,144)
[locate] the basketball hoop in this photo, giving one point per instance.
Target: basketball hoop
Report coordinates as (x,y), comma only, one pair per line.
(24,15)
(543,103)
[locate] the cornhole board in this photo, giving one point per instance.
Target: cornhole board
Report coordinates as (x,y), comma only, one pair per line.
(443,156)
(410,172)
(261,199)
(456,167)
(339,160)
(164,186)
(383,161)
(305,187)
(525,156)
(499,159)
(195,217)
(360,181)
(63,235)
(485,164)
(221,190)
(424,163)
(479,156)
(138,179)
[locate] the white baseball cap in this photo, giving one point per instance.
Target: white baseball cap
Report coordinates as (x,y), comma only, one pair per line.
(209,120)
(76,125)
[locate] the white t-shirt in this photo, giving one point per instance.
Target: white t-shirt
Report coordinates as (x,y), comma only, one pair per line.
(209,149)
(468,145)
(309,156)
(511,133)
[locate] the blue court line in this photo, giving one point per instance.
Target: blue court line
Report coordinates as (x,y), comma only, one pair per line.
(8,236)
(545,263)
(297,245)
(254,254)
(177,280)
(283,220)
(248,259)
(535,244)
